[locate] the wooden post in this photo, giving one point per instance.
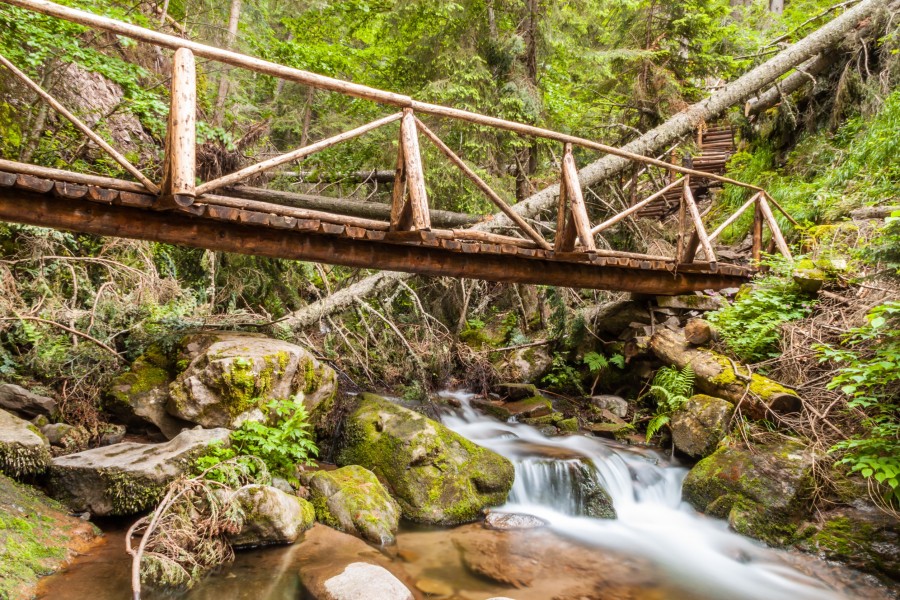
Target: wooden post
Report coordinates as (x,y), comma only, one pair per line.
(180,163)
(418,197)
(565,230)
(682,223)
(576,200)
(756,252)
(398,194)
(698,225)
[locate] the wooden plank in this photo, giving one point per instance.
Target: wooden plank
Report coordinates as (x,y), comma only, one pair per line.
(576,200)
(357,233)
(179,164)
(33,184)
(399,211)
(102,195)
(297,213)
(136,200)
(176,228)
(224,213)
(307,224)
(450,245)
(414,236)
(79,125)
(415,173)
(73,191)
(331,228)
(253,217)
(282,222)
(484,187)
(242,174)
(198,209)
(375,235)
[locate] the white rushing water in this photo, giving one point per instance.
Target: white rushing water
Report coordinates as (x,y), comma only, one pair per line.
(698,553)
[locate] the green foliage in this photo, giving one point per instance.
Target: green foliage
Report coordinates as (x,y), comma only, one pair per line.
(597,362)
(671,388)
(751,325)
(283,441)
(870,363)
(562,376)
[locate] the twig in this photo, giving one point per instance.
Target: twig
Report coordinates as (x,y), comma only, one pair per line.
(66,328)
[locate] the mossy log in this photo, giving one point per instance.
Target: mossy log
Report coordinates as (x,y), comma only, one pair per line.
(721,377)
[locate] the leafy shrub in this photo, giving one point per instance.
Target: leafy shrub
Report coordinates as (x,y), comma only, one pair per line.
(671,389)
(871,377)
(751,325)
(282,442)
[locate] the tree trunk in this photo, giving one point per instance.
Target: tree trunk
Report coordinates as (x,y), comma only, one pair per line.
(718,376)
(234,18)
(803,75)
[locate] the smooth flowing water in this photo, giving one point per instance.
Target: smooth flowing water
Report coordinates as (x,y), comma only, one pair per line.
(660,547)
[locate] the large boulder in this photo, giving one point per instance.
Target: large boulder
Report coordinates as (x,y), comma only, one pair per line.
(37,537)
(23,450)
(231,376)
(27,404)
(699,425)
(436,475)
(140,395)
(271,516)
(764,491)
(326,555)
(526,364)
(351,499)
(128,477)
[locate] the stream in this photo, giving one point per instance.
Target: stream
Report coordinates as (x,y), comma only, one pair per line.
(673,552)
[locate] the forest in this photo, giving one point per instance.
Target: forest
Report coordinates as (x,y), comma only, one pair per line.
(181,421)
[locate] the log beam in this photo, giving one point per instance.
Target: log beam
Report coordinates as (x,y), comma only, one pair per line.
(180,165)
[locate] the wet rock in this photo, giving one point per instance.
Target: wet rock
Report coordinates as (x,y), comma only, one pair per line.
(568,425)
(860,536)
(111,433)
(515,391)
(433,587)
(24,451)
(614,404)
(362,580)
(139,396)
(271,516)
(526,364)
(26,404)
(536,558)
(436,475)
(126,478)
(697,332)
(37,538)
(527,408)
(609,431)
(764,493)
(326,553)
(351,499)
(66,438)
(699,425)
(231,376)
(509,521)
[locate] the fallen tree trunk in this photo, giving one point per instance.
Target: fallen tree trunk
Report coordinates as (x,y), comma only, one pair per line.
(804,74)
(719,376)
(343,206)
(650,143)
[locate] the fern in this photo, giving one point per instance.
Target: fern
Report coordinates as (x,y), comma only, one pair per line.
(671,389)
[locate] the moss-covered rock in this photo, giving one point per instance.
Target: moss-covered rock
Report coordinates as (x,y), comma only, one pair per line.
(36,538)
(230,376)
(699,425)
(126,478)
(65,439)
(139,396)
(569,425)
(861,536)
(24,451)
(271,516)
(763,491)
(436,475)
(352,500)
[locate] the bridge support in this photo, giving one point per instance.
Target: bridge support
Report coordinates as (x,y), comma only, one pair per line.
(180,163)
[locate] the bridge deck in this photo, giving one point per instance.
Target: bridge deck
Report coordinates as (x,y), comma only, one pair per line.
(58,200)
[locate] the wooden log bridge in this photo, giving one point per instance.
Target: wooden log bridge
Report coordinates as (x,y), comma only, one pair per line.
(213,214)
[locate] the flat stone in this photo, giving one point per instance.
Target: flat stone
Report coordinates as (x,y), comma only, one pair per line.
(502,521)
(362,581)
(615,404)
(433,587)
(23,449)
(128,477)
(690,302)
(607,430)
(516,391)
(271,516)
(27,404)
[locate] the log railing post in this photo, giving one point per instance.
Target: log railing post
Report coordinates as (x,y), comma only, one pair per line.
(413,214)
(699,228)
(579,215)
(756,251)
(178,187)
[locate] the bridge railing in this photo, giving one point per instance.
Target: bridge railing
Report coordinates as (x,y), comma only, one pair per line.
(409,217)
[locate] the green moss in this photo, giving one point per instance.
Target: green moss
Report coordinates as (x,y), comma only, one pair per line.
(129,494)
(21,461)
(765,388)
(570,425)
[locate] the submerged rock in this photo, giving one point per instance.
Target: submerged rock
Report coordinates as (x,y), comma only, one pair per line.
(24,450)
(510,521)
(37,537)
(764,492)
(362,580)
(126,478)
(231,376)
(26,404)
(436,475)
(351,499)
(699,425)
(325,554)
(270,516)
